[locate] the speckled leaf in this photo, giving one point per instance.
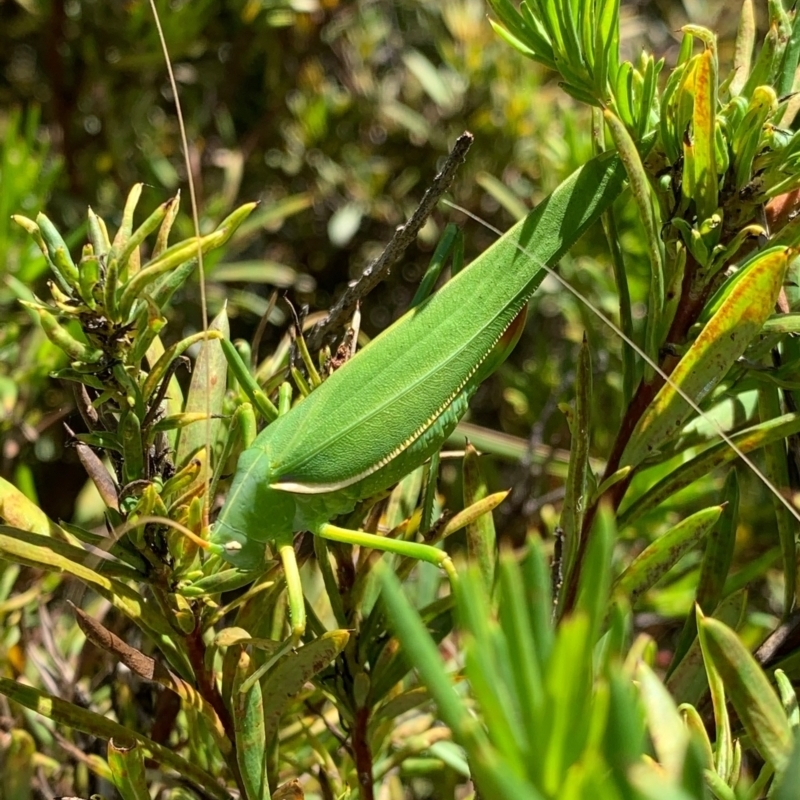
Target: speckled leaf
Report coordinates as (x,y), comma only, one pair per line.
(703,124)
(737,322)
(750,691)
(662,554)
(208,375)
(288,677)
(72,716)
(126,760)
(247,710)
(579,423)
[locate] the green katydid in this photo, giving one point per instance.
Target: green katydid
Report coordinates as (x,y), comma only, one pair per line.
(393,405)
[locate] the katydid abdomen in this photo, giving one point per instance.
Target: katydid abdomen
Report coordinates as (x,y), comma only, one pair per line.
(394,404)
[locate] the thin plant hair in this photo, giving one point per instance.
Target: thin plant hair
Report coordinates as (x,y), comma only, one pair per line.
(201,269)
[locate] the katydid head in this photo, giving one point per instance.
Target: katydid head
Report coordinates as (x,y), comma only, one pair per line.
(254,514)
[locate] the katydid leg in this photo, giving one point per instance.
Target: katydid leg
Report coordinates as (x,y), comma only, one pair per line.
(294,590)
(421,552)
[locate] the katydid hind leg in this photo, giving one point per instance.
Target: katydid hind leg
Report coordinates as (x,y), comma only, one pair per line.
(416,550)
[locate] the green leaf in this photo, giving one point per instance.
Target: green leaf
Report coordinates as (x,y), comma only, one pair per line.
(788,699)
(247,710)
(711,458)
(126,761)
(667,731)
(525,663)
(784,80)
(491,774)
(786,783)
(747,139)
(73,716)
(688,680)
(205,396)
(715,565)
(595,576)
(179,256)
(488,664)
(54,557)
(568,685)
(662,554)
(574,506)
(777,472)
(481,537)
(642,194)
(287,678)
(749,690)
(723,339)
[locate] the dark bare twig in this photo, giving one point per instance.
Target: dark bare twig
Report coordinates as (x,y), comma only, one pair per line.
(155,404)
(782,641)
(557,569)
(402,238)
(262,326)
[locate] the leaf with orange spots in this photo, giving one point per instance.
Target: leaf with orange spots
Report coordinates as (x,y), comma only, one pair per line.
(703,124)
(725,337)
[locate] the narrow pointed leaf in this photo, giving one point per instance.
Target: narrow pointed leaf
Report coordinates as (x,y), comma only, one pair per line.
(247,710)
(711,458)
(715,565)
(481,538)
(750,691)
(667,730)
(703,129)
(575,498)
(725,337)
(288,677)
(689,680)
(777,471)
(662,554)
(72,716)
(206,394)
